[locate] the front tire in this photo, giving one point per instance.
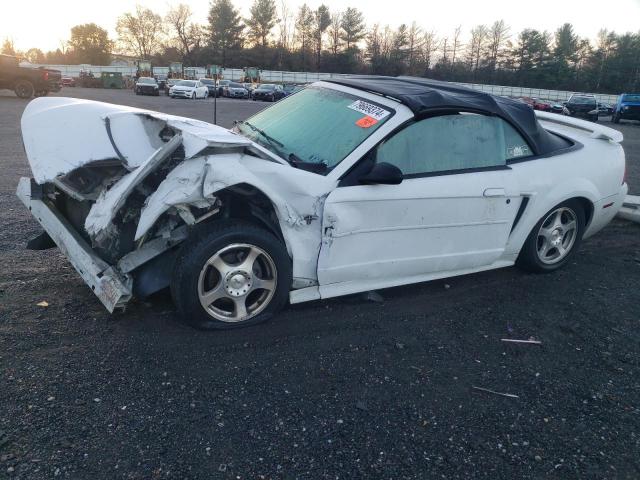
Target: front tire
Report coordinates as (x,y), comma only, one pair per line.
(554,239)
(615,118)
(230,274)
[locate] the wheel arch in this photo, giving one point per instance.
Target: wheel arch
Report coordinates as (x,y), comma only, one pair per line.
(582,190)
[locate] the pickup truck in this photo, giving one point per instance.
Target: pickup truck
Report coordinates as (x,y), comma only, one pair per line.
(27,82)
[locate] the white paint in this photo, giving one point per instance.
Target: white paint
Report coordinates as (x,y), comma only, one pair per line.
(347,239)
(62,134)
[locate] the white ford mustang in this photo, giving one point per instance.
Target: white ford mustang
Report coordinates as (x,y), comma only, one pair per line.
(355,184)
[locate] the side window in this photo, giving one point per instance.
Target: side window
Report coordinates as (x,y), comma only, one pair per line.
(453,142)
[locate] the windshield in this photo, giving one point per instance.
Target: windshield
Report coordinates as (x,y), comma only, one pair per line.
(583,100)
(268,86)
(631,98)
(186,83)
(235,85)
(316,126)
(146,80)
(206,82)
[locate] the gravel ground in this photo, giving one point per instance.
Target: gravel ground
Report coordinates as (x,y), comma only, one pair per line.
(335,389)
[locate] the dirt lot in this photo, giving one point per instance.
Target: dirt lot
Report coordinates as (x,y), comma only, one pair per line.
(335,389)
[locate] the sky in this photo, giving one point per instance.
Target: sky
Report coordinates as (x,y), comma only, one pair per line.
(47,23)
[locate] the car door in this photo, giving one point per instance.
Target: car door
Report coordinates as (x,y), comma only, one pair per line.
(452,213)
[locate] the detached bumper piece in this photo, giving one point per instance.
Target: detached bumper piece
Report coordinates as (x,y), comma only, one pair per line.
(113,289)
(630,208)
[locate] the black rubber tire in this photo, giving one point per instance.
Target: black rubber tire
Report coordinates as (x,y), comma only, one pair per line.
(24,89)
(615,118)
(200,246)
(528,258)
(193,96)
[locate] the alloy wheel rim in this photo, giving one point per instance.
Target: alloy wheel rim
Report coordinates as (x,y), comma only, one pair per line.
(237,283)
(557,236)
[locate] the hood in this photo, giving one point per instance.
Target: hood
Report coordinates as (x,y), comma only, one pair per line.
(61,134)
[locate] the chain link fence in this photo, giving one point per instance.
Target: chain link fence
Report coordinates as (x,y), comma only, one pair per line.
(308,77)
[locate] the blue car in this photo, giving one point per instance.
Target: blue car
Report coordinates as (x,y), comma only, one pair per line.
(627,108)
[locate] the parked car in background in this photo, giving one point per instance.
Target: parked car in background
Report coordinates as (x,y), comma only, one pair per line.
(627,108)
(27,82)
(537,104)
(172,81)
(269,92)
(326,193)
(147,86)
(605,109)
(582,105)
(222,87)
(236,90)
(162,81)
(68,82)
(557,107)
(250,87)
(288,88)
(211,86)
(189,89)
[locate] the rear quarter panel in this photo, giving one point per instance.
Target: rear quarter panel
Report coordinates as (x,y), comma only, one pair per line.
(594,172)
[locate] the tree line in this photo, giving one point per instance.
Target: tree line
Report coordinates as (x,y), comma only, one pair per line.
(276,37)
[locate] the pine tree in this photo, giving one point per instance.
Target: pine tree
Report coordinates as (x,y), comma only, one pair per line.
(225,28)
(262,20)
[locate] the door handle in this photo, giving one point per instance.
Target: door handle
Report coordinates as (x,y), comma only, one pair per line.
(495,192)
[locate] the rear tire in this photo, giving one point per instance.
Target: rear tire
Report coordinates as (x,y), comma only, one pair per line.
(215,263)
(24,89)
(554,239)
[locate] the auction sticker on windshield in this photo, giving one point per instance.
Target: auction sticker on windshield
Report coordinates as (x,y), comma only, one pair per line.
(369,109)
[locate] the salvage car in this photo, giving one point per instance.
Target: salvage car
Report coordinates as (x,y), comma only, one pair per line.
(236,90)
(351,185)
(189,89)
(211,86)
(269,92)
(627,108)
(537,104)
(68,82)
(582,106)
(27,82)
(147,86)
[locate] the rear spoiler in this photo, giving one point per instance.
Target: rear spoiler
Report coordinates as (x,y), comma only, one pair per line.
(595,130)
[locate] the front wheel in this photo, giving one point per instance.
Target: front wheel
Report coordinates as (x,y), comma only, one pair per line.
(229,275)
(554,239)
(615,118)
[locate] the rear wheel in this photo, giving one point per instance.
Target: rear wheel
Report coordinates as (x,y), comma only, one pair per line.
(24,89)
(229,275)
(554,239)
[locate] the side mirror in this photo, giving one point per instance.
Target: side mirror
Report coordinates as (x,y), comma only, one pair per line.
(383,173)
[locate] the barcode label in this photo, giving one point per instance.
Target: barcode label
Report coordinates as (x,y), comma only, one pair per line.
(369,109)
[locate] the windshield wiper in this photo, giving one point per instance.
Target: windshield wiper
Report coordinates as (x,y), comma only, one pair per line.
(314,167)
(264,134)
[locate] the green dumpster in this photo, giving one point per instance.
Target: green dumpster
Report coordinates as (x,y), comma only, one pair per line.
(111,80)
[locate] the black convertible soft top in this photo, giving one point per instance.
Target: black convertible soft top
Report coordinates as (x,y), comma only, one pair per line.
(425,96)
